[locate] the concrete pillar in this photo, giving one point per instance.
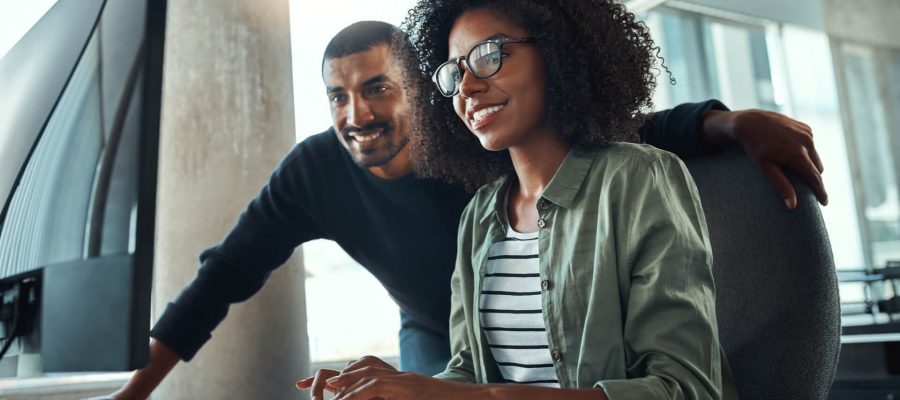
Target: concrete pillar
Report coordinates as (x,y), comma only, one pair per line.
(227,120)
(871,22)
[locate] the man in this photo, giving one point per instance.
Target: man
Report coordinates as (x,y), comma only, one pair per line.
(353,184)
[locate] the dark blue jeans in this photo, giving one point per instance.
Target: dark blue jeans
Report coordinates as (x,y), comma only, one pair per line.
(422,350)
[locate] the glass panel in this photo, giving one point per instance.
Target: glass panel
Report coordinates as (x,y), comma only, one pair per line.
(878,175)
(813,88)
(712,59)
(889,249)
(742,66)
(682,39)
(332,280)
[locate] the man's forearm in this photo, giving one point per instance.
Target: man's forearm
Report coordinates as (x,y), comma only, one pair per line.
(145,380)
(718,128)
(681,130)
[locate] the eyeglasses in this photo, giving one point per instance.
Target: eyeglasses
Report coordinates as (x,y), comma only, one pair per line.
(483,61)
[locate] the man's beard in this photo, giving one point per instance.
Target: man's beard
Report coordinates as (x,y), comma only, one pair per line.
(393,150)
(363,158)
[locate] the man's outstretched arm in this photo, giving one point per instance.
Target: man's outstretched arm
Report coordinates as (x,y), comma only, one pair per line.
(773,141)
(265,236)
(145,380)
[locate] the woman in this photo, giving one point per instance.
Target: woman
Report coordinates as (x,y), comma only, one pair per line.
(583,268)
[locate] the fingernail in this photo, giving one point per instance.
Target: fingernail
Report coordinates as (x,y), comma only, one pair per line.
(787,202)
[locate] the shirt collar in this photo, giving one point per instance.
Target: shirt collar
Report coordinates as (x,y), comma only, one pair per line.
(561,190)
(570,177)
(496,205)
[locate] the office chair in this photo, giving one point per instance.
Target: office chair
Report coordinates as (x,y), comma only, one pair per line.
(776,288)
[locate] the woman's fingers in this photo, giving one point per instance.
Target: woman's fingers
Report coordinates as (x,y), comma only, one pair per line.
(317,384)
(304,384)
(349,378)
(385,387)
(324,378)
(367,361)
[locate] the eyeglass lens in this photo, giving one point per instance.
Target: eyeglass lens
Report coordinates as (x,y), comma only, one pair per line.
(482,61)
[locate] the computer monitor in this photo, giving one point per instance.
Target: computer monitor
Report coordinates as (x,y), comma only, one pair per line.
(79,136)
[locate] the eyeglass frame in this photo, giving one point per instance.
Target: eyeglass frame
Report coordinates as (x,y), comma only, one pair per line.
(500,41)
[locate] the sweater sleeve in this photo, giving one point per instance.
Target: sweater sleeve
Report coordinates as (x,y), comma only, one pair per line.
(265,236)
(680,130)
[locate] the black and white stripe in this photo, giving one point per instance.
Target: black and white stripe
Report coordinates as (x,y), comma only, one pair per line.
(511,312)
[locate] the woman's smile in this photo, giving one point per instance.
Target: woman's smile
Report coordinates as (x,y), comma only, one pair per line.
(481,115)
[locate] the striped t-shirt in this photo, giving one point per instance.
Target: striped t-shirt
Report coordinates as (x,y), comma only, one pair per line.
(512,314)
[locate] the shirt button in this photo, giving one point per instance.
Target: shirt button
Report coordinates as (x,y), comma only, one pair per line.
(557,356)
(545,284)
(542,223)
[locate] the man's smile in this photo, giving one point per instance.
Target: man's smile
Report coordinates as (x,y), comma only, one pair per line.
(367,135)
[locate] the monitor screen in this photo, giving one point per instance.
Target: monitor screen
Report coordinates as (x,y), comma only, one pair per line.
(79,133)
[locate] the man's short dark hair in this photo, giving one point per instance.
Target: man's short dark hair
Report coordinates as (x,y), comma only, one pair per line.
(359,37)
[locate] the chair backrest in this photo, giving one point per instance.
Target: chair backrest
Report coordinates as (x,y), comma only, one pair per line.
(776,288)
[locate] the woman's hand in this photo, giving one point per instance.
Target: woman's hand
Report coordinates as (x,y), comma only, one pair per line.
(316,383)
(373,382)
(371,378)
(319,383)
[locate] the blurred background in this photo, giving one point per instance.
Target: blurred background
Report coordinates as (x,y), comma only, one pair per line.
(833,64)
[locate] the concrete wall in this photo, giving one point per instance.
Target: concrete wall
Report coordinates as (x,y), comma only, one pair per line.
(874,22)
(806,13)
(227,120)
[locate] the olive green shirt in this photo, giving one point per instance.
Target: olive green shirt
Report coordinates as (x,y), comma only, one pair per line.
(626,280)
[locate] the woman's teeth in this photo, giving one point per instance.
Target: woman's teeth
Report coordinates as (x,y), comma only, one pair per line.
(480,114)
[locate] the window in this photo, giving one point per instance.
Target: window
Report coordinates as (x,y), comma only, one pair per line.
(871,101)
(712,58)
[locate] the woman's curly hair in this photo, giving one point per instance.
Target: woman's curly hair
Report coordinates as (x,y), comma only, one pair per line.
(600,64)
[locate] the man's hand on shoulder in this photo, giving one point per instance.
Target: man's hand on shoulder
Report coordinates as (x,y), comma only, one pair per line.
(773,141)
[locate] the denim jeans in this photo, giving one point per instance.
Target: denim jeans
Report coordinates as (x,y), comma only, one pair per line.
(422,350)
